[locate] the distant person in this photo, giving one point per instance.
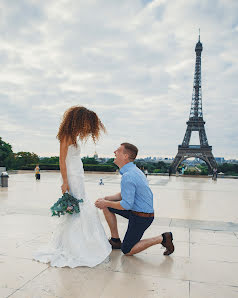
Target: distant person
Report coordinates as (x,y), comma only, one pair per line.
(170,171)
(214,176)
(37,172)
(101,182)
(183,169)
(146,172)
(134,202)
(79,239)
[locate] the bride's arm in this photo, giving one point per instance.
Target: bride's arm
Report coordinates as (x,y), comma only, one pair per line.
(116,197)
(63,169)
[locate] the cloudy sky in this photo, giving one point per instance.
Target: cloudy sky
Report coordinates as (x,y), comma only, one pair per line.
(130,61)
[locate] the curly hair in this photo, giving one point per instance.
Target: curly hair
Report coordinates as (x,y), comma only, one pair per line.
(79,121)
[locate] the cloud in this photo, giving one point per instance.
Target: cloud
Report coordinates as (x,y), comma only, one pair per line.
(130,61)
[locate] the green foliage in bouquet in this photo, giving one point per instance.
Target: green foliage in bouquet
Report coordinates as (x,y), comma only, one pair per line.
(66,204)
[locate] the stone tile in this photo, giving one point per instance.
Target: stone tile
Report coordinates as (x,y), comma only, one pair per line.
(198,290)
(214,252)
(5,292)
(15,272)
(162,221)
(29,230)
(25,250)
(25,227)
(180,234)
(57,282)
(205,224)
(114,263)
(147,264)
(199,270)
(180,203)
(65,282)
(141,286)
(181,250)
(236,233)
(214,237)
(9,244)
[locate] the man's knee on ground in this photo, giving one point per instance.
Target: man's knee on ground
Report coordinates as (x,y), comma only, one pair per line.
(129,254)
(126,249)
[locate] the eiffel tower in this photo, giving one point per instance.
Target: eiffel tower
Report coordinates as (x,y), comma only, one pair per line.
(195,123)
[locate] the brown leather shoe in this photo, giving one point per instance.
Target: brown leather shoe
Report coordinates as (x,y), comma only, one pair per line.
(115,245)
(168,243)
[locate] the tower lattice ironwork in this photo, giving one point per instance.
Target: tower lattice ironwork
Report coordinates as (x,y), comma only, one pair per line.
(195,123)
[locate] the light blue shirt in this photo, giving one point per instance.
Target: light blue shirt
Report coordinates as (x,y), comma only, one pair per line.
(135,191)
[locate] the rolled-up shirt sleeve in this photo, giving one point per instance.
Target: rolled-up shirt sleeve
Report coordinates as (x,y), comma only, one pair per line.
(128,189)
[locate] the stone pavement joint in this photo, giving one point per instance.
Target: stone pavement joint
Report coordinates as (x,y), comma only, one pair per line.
(27,283)
(205,225)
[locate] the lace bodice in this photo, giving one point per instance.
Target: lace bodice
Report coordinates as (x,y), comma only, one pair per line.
(73,150)
(73,161)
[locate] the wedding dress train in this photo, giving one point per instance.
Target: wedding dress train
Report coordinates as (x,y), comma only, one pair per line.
(79,239)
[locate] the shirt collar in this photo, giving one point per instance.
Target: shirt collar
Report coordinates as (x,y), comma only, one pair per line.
(127,167)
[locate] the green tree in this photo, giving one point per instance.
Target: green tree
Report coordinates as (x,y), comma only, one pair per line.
(49,160)
(110,161)
(6,154)
(89,161)
(22,159)
(228,169)
(163,166)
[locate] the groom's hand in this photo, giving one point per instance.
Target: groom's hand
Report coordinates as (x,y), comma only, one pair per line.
(101,204)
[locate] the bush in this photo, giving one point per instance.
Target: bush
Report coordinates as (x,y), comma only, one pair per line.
(158,171)
(49,166)
(228,169)
(187,172)
(87,167)
(100,168)
(231,173)
(42,167)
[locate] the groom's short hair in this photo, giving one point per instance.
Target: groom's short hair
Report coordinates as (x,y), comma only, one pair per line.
(131,150)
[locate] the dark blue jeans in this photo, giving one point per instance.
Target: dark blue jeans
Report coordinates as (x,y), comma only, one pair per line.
(135,230)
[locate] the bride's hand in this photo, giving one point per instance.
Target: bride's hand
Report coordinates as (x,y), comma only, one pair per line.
(64,187)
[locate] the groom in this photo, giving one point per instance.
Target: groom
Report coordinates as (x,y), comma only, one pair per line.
(134,202)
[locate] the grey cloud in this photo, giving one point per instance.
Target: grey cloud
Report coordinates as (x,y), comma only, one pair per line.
(130,61)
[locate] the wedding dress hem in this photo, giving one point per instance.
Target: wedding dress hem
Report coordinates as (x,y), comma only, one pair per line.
(79,239)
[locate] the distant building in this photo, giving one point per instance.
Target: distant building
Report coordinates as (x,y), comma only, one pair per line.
(231,161)
(95,155)
(220,159)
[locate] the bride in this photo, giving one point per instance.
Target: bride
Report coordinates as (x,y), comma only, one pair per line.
(79,239)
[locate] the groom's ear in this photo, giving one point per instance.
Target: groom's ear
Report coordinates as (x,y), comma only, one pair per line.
(127,155)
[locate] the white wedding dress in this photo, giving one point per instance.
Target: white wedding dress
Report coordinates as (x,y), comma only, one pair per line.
(79,239)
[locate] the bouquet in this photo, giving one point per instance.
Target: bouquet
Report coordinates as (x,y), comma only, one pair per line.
(66,204)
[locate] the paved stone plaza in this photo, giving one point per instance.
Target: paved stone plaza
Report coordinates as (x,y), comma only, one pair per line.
(201,213)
